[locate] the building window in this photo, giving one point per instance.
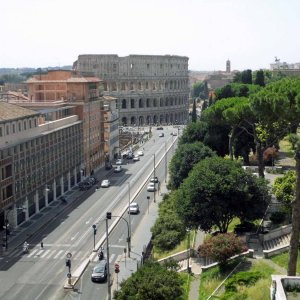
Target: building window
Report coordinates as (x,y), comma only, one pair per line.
(114,86)
(20,126)
(14,128)
(123,86)
(131,86)
(131,103)
(1,133)
(147,85)
(148,102)
(114,67)
(7,130)
(124,103)
(148,66)
(24,125)
(139,85)
(140,103)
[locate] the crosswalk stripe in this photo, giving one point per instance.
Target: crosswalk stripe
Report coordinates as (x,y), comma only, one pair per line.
(77,255)
(51,253)
(32,252)
(58,253)
(39,252)
(112,258)
(45,253)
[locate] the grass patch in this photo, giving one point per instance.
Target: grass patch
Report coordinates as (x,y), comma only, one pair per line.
(187,278)
(157,254)
(211,279)
(233,223)
(283,258)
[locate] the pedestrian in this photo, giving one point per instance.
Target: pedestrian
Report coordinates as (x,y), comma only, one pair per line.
(42,245)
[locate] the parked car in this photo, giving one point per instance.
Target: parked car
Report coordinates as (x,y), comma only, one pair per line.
(136,158)
(117,169)
(133,208)
(160,128)
(154,179)
(140,153)
(161,134)
(174,133)
(130,155)
(99,272)
(119,161)
(151,187)
(105,183)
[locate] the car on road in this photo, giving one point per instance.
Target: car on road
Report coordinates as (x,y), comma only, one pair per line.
(99,272)
(161,134)
(133,208)
(119,161)
(154,179)
(140,153)
(118,169)
(136,158)
(151,187)
(174,133)
(105,183)
(160,128)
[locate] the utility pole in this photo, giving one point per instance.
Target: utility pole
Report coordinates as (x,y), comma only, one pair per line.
(154,178)
(129,220)
(108,217)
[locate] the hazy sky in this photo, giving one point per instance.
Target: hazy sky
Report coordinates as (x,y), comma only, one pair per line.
(41,33)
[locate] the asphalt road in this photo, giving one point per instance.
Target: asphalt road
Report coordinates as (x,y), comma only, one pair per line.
(41,274)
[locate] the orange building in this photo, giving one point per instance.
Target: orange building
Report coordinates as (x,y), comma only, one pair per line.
(67,88)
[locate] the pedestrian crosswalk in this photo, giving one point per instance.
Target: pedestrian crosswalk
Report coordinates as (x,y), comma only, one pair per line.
(55,254)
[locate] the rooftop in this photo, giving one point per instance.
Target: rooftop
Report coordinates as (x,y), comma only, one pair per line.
(10,111)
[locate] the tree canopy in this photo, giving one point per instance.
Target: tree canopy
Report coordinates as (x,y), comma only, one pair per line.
(186,156)
(151,282)
(216,191)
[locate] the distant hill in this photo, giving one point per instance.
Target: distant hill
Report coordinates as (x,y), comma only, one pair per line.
(19,71)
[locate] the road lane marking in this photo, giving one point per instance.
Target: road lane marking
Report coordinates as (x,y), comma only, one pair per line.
(74,236)
(75,256)
(58,253)
(32,252)
(117,246)
(38,253)
(14,252)
(111,258)
(45,253)
(88,221)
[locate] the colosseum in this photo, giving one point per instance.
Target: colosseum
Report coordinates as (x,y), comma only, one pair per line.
(151,89)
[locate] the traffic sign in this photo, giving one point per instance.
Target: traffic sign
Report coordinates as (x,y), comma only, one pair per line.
(69,275)
(69,255)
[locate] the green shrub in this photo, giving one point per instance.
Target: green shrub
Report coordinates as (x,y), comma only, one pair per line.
(242,278)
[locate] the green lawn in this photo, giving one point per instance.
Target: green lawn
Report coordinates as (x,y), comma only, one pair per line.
(211,279)
(282,260)
(186,284)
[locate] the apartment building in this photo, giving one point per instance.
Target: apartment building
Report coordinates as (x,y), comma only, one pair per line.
(41,156)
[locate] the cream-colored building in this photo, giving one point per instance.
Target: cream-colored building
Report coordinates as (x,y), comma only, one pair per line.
(150,89)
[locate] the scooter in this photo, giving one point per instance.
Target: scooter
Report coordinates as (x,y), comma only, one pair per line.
(25,249)
(101,255)
(63,200)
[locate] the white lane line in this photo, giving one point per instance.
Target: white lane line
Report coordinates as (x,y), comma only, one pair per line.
(38,253)
(117,246)
(58,253)
(74,236)
(111,258)
(32,252)
(45,253)
(51,253)
(88,221)
(14,252)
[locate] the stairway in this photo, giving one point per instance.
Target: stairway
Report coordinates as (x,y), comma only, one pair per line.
(280,241)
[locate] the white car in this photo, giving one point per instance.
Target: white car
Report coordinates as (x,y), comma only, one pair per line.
(161,134)
(151,187)
(174,133)
(105,183)
(118,169)
(136,158)
(119,161)
(133,208)
(140,153)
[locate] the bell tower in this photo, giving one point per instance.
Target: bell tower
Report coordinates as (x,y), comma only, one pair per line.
(228,66)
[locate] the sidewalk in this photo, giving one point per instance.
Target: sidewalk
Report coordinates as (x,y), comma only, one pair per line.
(139,241)
(31,227)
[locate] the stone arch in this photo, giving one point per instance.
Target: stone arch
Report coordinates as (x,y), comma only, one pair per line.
(161,119)
(132,120)
(147,102)
(167,102)
(161,102)
(148,120)
(124,103)
(124,121)
(141,103)
(171,118)
(141,120)
(155,119)
(154,102)
(167,118)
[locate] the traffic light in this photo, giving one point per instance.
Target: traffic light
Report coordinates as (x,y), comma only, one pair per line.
(108,215)
(117,268)
(68,263)
(95,229)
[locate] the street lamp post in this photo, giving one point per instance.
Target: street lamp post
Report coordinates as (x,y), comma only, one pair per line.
(166,162)
(129,218)
(154,177)
(148,198)
(188,251)
(95,231)
(108,217)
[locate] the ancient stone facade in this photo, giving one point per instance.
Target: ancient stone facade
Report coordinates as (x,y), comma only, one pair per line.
(150,89)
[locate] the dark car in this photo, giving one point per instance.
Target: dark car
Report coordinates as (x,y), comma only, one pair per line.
(154,179)
(99,273)
(159,128)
